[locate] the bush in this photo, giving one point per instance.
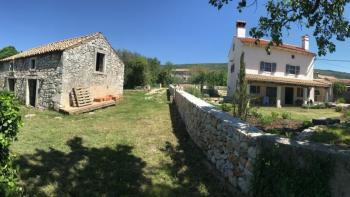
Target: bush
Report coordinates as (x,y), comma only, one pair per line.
(339,109)
(339,89)
(10,121)
(255,113)
(307,124)
(226,107)
(286,115)
(266,120)
(314,106)
(274,115)
(194,91)
(340,100)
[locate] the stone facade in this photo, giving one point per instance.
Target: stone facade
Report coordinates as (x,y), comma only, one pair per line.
(79,70)
(48,74)
(232,146)
(56,73)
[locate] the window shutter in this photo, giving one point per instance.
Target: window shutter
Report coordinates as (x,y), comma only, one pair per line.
(273,67)
(287,68)
(261,66)
(297,70)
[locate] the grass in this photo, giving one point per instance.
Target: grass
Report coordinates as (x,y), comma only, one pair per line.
(335,134)
(138,148)
(298,113)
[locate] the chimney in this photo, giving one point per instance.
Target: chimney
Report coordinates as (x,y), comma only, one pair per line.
(240,28)
(305,42)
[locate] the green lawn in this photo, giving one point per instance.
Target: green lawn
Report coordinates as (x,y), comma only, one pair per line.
(137,148)
(334,134)
(299,113)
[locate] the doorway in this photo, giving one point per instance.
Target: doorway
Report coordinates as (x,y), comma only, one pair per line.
(288,95)
(32,85)
(271,93)
(11,85)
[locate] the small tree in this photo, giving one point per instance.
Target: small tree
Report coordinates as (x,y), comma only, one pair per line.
(240,97)
(200,78)
(339,90)
(7,52)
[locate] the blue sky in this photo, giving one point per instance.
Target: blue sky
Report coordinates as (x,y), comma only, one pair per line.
(181,31)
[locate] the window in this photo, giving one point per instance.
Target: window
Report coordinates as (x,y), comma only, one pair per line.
(32,64)
(300,92)
(254,90)
(232,68)
(11,85)
(11,67)
(100,59)
(267,67)
(317,92)
(295,70)
(293,56)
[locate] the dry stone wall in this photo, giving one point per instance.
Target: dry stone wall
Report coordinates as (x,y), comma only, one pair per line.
(232,145)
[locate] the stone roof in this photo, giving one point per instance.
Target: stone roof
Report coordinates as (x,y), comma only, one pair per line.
(288,81)
(54,46)
(248,40)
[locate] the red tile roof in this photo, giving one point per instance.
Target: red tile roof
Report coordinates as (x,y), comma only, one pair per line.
(282,46)
(55,46)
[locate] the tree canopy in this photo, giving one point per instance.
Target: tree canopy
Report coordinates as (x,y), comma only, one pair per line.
(141,71)
(7,52)
(326,18)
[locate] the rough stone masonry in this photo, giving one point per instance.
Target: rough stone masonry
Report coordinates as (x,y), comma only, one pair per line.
(232,145)
(58,67)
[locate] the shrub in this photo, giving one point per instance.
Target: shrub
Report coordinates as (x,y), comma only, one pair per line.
(314,106)
(255,113)
(10,121)
(266,120)
(226,107)
(340,100)
(194,91)
(339,108)
(274,115)
(286,115)
(307,124)
(339,89)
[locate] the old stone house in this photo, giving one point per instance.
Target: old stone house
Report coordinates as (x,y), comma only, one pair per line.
(45,76)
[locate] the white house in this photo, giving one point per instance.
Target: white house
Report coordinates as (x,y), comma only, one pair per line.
(282,77)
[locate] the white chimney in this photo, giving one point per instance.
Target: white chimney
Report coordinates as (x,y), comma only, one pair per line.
(305,42)
(240,28)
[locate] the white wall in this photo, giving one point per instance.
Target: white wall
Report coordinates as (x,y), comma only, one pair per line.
(254,55)
(233,58)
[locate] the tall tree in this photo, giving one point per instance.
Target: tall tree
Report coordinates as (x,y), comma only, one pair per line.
(7,52)
(240,96)
(139,70)
(326,18)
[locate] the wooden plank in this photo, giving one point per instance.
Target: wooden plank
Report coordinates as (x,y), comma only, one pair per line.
(95,106)
(83,96)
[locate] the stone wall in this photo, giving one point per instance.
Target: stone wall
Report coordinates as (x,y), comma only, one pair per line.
(232,146)
(57,73)
(79,70)
(47,72)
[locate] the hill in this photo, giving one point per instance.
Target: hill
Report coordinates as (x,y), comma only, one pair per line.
(209,66)
(223,66)
(338,74)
